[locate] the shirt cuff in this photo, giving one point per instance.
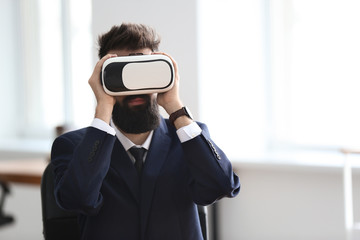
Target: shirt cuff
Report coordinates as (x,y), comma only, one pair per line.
(188,132)
(103,126)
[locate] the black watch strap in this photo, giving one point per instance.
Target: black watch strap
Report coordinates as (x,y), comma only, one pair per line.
(184,111)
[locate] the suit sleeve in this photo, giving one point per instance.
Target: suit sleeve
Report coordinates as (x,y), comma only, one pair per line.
(81,161)
(212,175)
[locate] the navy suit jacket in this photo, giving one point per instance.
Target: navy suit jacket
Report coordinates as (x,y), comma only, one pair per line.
(95,177)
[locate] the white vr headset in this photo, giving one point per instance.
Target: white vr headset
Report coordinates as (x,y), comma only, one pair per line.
(139,74)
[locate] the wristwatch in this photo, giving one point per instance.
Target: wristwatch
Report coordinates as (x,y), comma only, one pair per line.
(184,111)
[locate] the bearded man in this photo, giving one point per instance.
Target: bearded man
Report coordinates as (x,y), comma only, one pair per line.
(98,173)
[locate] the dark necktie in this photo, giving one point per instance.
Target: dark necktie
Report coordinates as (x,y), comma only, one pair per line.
(138,154)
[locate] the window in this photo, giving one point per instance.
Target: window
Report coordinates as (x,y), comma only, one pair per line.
(49,62)
(315,59)
(232,69)
(280,74)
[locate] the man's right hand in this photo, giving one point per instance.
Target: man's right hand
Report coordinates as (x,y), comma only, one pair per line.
(105,102)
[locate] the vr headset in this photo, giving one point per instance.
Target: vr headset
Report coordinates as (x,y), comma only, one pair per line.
(139,74)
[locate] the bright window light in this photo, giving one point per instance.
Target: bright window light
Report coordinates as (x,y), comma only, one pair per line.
(46,77)
(316,73)
(280,74)
(232,74)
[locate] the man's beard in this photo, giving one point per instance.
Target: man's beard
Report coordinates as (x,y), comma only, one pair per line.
(138,119)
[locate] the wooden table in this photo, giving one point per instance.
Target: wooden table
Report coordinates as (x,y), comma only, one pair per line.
(27,171)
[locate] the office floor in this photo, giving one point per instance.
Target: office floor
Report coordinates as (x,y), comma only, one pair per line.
(275,203)
(24,203)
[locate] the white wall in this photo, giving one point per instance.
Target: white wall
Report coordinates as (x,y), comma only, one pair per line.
(285,202)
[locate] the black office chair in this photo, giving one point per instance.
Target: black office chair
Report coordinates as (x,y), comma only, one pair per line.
(59,224)
(202,210)
(4,218)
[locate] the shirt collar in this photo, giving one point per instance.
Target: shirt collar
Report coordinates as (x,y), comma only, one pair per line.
(127,143)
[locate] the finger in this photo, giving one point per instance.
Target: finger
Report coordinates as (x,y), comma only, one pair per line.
(162,53)
(176,69)
(102,60)
(98,66)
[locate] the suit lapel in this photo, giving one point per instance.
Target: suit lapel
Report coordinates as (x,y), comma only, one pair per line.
(155,159)
(122,164)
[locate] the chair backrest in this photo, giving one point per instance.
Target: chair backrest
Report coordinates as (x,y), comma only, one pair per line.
(59,224)
(202,210)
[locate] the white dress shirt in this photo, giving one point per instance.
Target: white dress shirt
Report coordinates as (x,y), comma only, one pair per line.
(185,133)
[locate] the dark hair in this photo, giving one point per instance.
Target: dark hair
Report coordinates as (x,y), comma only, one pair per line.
(128,36)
